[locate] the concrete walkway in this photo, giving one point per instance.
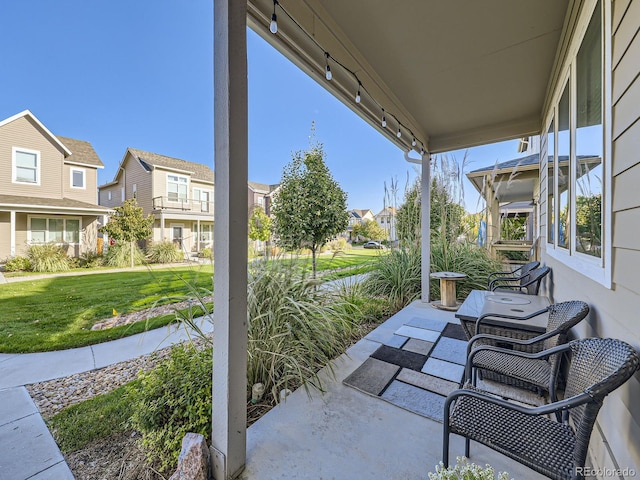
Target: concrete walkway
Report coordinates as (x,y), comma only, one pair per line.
(27,449)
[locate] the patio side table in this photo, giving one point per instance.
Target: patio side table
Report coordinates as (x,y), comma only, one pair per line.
(448,300)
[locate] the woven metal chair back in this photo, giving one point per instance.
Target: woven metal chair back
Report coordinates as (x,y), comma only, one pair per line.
(598,366)
(534,279)
(525,269)
(562,317)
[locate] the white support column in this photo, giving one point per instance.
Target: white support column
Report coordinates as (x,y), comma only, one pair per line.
(12,234)
(228,437)
(425,191)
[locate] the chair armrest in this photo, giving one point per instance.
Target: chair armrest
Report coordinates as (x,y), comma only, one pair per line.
(512,317)
(514,341)
(503,280)
(554,407)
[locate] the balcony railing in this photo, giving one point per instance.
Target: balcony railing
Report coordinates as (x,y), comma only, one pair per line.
(182,204)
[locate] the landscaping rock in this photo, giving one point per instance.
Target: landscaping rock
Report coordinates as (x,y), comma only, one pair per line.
(193,462)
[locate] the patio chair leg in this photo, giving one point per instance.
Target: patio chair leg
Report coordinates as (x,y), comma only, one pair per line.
(467,445)
(445,443)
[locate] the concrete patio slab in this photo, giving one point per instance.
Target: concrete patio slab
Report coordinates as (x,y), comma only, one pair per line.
(348,434)
(419,333)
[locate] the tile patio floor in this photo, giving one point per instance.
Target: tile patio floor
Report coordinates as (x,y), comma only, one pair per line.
(346,434)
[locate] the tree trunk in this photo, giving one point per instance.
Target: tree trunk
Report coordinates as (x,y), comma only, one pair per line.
(313,261)
(131,246)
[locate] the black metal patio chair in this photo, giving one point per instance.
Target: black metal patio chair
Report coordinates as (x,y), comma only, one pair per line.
(529,283)
(539,373)
(527,434)
(521,272)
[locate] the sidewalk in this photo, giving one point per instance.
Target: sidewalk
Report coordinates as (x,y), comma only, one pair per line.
(27,449)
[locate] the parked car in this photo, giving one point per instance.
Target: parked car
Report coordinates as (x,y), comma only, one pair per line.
(373,245)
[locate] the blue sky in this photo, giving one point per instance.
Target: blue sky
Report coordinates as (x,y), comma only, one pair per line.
(139,74)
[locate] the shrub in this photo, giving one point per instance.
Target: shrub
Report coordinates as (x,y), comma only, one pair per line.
(164,252)
(91,260)
(463,257)
(397,276)
(338,245)
(118,255)
(18,264)
(467,471)
(206,253)
(295,328)
(48,257)
(172,400)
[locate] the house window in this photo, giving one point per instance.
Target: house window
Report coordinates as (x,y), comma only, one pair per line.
(109,195)
(26,166)
(204,197)
(122,195)
(56,230)
(135,190)
(575,164)
(206,232)
(177,187)
(77,178)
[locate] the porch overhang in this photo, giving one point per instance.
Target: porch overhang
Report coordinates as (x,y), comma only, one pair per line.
(455,74)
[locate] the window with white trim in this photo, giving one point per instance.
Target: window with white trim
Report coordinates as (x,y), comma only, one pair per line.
(206,232)
(576,156)
(177,187)
(55,230)
(26,166)
(78,178)
(205,197)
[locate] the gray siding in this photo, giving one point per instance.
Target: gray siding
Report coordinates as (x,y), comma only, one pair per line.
(615,310)
(87,194)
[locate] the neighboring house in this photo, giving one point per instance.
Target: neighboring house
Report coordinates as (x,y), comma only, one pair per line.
(386,218)
(357,217)
(178,193)
(48,189)
(260,194)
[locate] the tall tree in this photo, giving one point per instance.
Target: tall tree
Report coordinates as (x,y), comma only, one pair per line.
(310,207)
(129,224)
(370,230)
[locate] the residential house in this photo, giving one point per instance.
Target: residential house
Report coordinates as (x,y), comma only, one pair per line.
(386,218)
(357,217)
(48,189)
(178,193)
(260,194)
(566,70)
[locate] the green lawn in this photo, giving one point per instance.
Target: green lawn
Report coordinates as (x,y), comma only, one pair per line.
(357,259)
(58,312)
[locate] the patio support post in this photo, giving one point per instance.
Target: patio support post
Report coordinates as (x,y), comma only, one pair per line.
(228,439)
(493,216)
(12,233)
(425,191)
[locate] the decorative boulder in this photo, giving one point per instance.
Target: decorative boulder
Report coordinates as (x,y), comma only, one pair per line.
(193,462)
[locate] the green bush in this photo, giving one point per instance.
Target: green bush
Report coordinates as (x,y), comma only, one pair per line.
(397,276)
(206,253)
(172,400)
(295,328)
(118,255)
(462,257)
(48,257)
(90,259)
(164,252)
(18,264)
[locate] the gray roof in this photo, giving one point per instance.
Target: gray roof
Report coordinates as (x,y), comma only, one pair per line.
(65,203)
(82,151)
(533,159)
(199,171)
(262,187)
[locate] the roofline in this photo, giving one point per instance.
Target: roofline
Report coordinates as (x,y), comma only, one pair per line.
(482,173)
(24,113)
(83,164)
(53,207)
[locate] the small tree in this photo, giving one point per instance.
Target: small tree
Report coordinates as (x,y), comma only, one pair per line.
(260,226)
(310,208)
(370,230)
(129,224)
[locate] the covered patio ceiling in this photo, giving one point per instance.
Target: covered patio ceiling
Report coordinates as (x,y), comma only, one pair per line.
(453,73)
